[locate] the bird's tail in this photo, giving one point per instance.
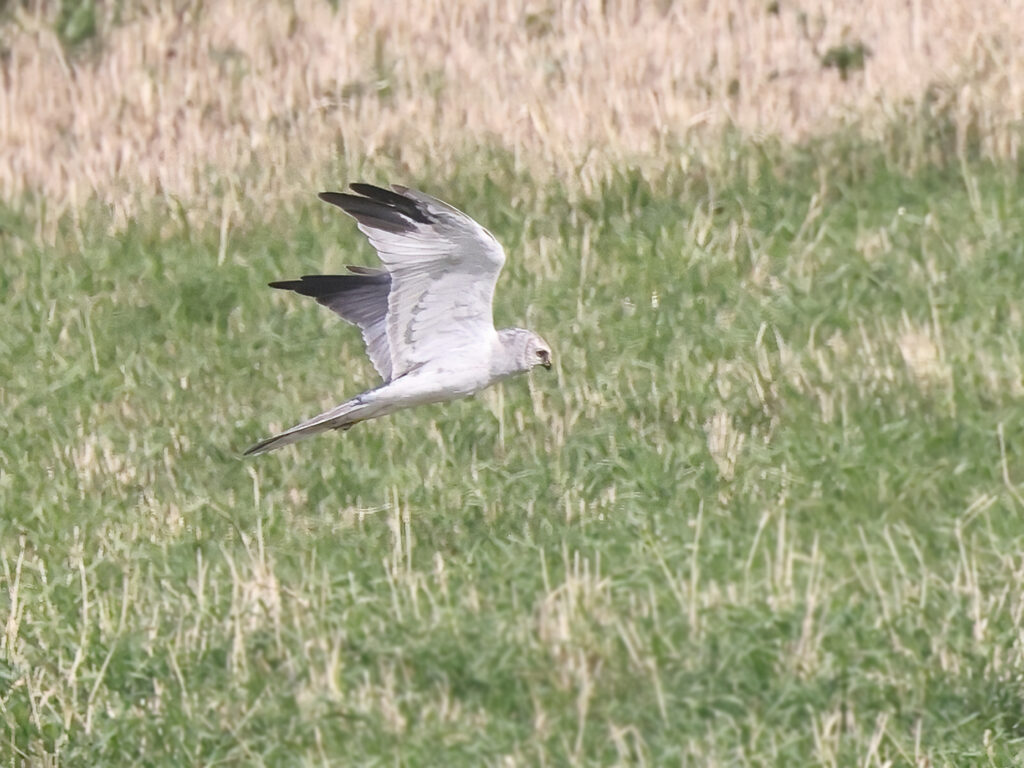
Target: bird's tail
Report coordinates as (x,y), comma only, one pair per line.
(340,417)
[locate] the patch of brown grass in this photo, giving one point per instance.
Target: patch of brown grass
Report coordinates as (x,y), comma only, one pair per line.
(199,100)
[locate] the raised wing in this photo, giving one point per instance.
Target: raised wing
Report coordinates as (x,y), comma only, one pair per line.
(360,298)
(442,265)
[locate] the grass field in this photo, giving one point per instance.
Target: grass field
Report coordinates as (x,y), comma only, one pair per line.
(767,510)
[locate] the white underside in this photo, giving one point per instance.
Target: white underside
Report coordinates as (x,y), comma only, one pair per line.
(462,373)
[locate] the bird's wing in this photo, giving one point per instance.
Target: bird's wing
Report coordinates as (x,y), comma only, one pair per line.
(360,298)
(443,267)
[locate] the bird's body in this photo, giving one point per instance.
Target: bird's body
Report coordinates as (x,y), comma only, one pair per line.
(425,317)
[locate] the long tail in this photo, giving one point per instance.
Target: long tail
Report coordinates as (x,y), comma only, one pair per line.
(340,417)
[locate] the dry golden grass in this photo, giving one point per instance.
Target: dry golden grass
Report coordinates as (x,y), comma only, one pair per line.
(187,98)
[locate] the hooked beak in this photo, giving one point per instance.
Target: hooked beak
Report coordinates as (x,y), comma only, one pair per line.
(547,363)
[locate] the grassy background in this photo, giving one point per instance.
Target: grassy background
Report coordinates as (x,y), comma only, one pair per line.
(766,510)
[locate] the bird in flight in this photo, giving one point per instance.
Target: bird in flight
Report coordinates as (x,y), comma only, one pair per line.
(425,316)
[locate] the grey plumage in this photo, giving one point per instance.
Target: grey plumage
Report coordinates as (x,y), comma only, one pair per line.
(425,316)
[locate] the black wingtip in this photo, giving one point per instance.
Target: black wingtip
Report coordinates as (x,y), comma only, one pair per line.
(378,207)
(299,286)
(393,199)
(370,190)
(324,288)
(334,198)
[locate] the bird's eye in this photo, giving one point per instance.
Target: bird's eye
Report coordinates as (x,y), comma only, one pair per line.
(540,353)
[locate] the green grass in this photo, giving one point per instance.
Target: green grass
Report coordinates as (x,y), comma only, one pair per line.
(766,511)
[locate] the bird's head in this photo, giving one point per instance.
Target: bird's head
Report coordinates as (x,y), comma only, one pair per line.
(524,350)
(538,352)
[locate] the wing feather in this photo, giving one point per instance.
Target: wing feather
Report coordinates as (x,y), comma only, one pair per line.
(442,267)
(361,298)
